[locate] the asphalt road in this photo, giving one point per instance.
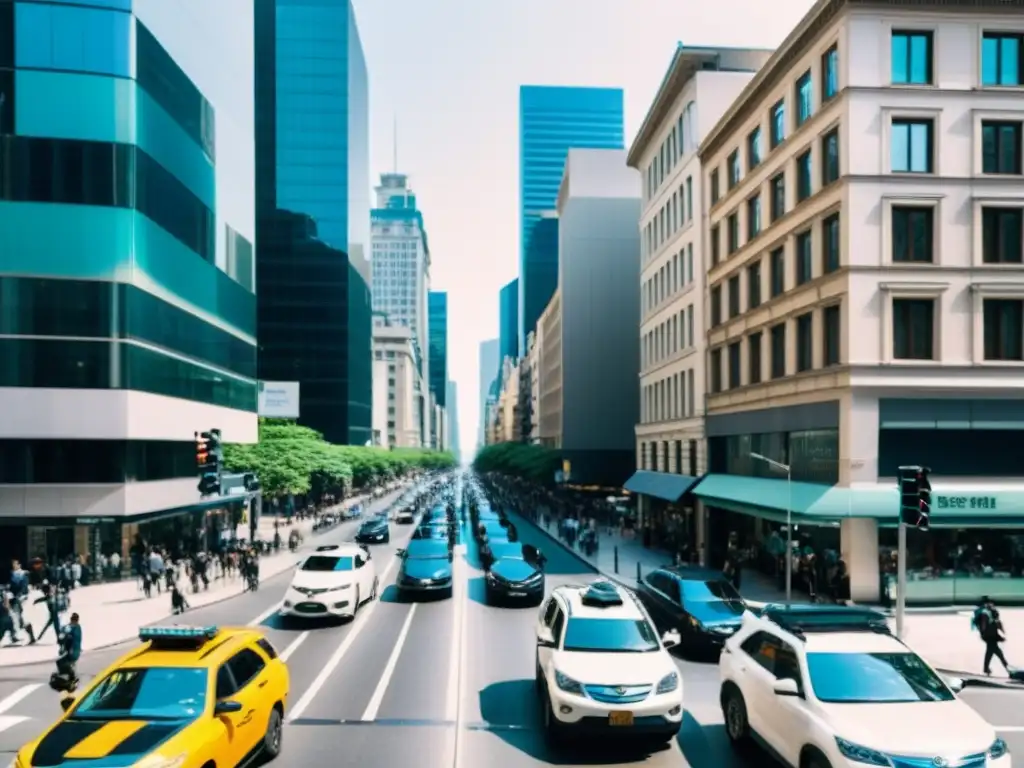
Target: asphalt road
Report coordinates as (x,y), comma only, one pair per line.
(446,684)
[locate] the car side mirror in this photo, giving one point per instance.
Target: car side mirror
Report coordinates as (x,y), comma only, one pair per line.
(787,686)
(956,684)
(545,639)
(67,702)
(671,639)
(400,552)
(227,707)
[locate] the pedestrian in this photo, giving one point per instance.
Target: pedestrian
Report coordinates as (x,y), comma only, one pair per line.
(990,628)
(70,651)
(51,598)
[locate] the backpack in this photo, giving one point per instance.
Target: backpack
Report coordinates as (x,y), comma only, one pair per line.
(980,616)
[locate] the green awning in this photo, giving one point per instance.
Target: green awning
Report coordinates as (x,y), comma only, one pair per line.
(661,485)
(813,503)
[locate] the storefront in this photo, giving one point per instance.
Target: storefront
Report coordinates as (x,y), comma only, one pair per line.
(667,513)
(975,546)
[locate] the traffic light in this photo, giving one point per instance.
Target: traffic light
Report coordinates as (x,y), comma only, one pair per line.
(209,454)
(202,452)
(915,496)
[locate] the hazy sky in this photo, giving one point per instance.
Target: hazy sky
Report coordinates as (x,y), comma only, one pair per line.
(450,70)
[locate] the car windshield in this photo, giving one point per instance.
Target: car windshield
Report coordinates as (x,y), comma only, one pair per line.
(610,636)
(708,591)
(506,549)
(328,563)
(879,678)
(152,693)
(427,549)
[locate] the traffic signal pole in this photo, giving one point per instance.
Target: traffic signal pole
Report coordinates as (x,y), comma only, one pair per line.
(901,577)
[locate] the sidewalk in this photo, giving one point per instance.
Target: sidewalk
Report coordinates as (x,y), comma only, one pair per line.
(946,640)
(113,612)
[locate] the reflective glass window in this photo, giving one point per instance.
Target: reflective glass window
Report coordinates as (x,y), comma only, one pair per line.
(147,370)
(168,202)
(66,171)
(6,34)
(55,363)
(73,39)
(32,306)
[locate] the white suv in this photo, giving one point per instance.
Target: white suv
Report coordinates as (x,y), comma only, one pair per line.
(333,582)
(830,687)
(601,665)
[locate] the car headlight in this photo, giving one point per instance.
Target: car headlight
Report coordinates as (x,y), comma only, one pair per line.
(695,624)
(668,683)
(162,761)
(859,754)
(567,684)
(491,577)
(998,749)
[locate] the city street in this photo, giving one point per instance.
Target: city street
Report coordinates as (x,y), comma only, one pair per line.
(447,684)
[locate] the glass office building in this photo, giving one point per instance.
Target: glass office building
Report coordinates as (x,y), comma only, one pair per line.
(553,120)
(127,305)
(437,330)
(508,323)
(313,212)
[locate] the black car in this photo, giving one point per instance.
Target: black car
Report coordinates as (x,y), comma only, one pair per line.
(699,602)
(376,530)
(426,568)
(515,572)
(495,530)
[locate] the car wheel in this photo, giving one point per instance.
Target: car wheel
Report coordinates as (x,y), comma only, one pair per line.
(734,710)
(552,728)
(376,584)
(355,605)
(273,737)
(817,761)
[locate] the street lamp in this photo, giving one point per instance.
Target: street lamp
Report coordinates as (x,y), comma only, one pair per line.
(789,519)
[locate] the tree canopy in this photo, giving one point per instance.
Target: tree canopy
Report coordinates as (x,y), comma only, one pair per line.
(290,458)
(530,462)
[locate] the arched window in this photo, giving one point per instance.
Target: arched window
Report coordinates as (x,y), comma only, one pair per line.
(689,122)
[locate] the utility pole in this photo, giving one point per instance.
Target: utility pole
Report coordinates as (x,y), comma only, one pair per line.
(915,510)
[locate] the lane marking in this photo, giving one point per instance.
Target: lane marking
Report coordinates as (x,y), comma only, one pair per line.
(460,729)
(361,621)
(9,721)
(454,667)
(266,614)
(18,696)
(293,646)
(370,714)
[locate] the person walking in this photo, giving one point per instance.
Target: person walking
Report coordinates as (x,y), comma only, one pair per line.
(990,628)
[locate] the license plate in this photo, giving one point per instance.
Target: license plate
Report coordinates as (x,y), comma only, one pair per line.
(620,718)
(517,594)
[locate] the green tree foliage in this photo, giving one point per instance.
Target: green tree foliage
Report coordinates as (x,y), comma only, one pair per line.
(294,459)
(531,462)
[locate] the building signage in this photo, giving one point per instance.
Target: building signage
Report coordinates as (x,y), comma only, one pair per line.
(965,502)
(279,399)
(93,520)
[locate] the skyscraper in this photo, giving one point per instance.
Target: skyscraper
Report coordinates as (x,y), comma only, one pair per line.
(438,324)
(313,212)
(126,269)
(508,323)
(452,399)
(489,361)
(552,120)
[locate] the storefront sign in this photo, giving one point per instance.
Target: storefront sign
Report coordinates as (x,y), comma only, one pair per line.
(965,502)
(93,520)
(279,399)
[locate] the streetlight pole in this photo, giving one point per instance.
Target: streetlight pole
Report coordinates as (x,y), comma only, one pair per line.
(789,519)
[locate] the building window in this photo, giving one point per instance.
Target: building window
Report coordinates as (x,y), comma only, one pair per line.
(1001,235)
(830,244)
(754,149)
(911,150)
(734,365)
(716,306)
(1001,147)
(689,198)
(734,233)
(804,258)
(714,184)
(777,130)
(753,217)
(804,99)
(911,57)
(754,286)
(829,74)
(803,177)
(913,230)
(734,296)
(778,351)
(804,342)
(1001,62)
(734,169)
(830,158)
(778,197)
(754,357)
(778,271)
(716,245)
(1004,325)
(830,335)
(913,329)
(716,371)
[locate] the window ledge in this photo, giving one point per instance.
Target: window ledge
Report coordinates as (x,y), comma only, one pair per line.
(994,290)
(908,289)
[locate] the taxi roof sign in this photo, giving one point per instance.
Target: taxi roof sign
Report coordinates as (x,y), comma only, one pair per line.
(177,635)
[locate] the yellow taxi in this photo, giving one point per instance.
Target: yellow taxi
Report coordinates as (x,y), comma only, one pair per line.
(189,697)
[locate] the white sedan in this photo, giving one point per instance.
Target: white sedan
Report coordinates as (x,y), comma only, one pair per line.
(333,582)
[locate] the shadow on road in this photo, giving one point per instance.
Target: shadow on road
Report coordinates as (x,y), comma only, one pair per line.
(708,745)
(392,594)
(477,590)
(511,711)
(299,624)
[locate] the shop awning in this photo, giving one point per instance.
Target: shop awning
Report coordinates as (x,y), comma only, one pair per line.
(761,497)
(661,485)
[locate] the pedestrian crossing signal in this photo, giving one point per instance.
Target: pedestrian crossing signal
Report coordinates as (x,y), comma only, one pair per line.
(915,496)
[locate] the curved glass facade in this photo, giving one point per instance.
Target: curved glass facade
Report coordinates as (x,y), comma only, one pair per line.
(553,120)
(437,328)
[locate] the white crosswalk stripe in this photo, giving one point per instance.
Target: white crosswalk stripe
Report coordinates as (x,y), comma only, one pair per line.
(9,721)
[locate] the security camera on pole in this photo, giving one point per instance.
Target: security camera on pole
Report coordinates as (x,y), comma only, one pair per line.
(915,511)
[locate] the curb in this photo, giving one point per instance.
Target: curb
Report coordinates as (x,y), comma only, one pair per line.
(115,643)
(974,680)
